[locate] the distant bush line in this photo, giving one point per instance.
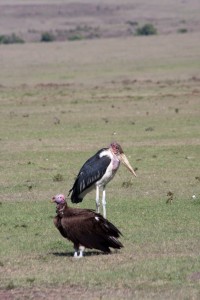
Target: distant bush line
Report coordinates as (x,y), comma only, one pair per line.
(83,32)
(11,39)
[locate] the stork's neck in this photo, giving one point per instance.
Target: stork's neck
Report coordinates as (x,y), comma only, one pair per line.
(115,162)
(114,159)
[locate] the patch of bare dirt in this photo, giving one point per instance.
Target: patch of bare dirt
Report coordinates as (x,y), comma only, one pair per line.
(64,292)
(75,292)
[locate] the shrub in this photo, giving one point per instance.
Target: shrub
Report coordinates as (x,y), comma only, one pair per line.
(58,177)
(127,184)
(182,30)
(75,37)
(47,37)
(132,23)
(147,29)
(10,39)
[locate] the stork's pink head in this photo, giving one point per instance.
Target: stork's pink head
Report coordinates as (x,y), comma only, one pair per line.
(116,148)
(59,199)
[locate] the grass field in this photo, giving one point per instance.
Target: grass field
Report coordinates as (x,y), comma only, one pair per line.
(59,104)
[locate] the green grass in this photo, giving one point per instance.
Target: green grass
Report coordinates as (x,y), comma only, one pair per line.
(161,244)
(157,124)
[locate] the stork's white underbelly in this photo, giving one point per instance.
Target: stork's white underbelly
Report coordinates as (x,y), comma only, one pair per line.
(110,172)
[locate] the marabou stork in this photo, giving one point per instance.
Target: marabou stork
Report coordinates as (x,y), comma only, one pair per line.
(85,228)
(97,172)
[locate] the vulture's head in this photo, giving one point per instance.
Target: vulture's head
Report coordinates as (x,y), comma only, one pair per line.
(59,199)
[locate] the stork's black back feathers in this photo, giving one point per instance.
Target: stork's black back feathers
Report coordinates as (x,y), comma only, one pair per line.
(92,170)
(87,228)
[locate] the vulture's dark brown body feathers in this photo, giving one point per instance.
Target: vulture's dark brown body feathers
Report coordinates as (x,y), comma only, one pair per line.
(86,228)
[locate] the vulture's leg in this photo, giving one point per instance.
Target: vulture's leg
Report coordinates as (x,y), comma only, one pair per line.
(104,201)
(97,199)
(81,249)
(76,250)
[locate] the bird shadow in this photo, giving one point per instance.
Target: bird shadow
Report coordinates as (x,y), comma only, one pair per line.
(71,254)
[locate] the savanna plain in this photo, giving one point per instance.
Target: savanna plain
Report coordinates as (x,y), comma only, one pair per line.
(62,101)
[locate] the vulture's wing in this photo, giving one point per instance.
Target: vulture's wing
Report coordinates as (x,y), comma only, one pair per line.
(92,232)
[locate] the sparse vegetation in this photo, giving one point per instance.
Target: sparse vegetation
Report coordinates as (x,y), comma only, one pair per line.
(92,22)
(182,30)
(132,23)
(83,32)
(75,37)
(170,197)
(58,177)
(147,29)
(47,37)
(10,286)
(11,39)
(127,184)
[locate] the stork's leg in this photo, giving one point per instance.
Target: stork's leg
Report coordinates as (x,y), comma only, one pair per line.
(104,201)
(97,199)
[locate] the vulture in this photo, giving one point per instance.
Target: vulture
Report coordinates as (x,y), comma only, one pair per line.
(85,228)
(96,172)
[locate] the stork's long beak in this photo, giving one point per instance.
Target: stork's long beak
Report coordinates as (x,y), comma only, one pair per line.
(125,161)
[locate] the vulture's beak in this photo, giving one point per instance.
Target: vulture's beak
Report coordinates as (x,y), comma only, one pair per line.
(52,200)
(125,161)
